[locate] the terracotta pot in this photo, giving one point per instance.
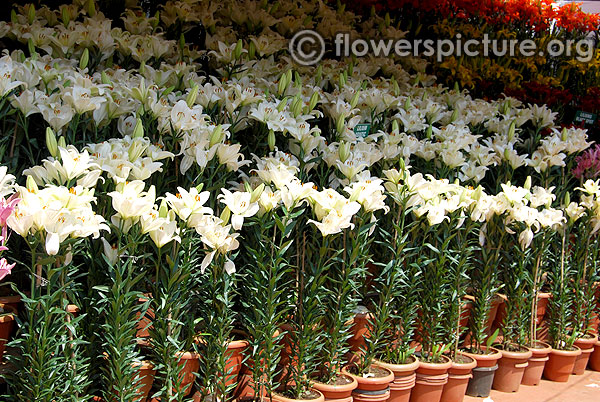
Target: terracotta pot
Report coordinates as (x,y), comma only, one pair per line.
(595,357)
(586,344)
(430,382)
(145,378)
(534,370)
(7,323)
(235,359)
(560,364)
(191,363)
(480,384)
(496,318)
(144,323)
(543,299)
(373,389)
(337,393)
(404,379)
(510,371)
(458,379)
(281,398)
(13,301)
(465,313)
(359,330)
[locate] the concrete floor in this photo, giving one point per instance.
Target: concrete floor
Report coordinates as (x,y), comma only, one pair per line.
(579,388)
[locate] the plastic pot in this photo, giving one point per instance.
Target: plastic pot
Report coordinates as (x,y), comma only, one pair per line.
(560,364)
(430,381)
(480,384)
(510,371)
(337,392)
(532,375)
(595,357)
(586,344)
(373,389)
(458,378)
(404,379)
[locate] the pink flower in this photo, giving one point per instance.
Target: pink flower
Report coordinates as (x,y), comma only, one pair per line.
(588,164)
(5,268)
(7,207)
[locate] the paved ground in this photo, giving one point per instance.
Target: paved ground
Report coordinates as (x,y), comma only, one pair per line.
(589,7)
(579,388)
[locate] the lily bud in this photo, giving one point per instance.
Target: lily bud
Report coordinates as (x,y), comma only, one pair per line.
(66,16)
(237,51)
(163,210)
(136,150)
(506,154)
(354,100)
(138,131)
(342,80)
(105,79)
(395,127)
(271,140)
(191,97)
(31,47)
(387,19)
(456,87)
(51,143)
(225,215)
(62,143)
(407,104)
(247,187)
(216,136)
(251,50)
(454,116)
(527,184)
(282,104)
(567,199)
(31,185)
(283,83)
(477,193)
(85,58)
(199,187)
(143,68)
(504,109)
(31,14)
(511,131)
(297,107)
(402,164)
(13,16)
(340,123)
(288,76)
(91,8)
(314,99)
(344,151)
(182,42)
(319,74)
(257,192)
(429,131)
(297,80)
(396,88)
(564,134)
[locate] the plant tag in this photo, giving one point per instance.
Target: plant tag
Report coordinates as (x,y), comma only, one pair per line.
(362,130)
(585,117)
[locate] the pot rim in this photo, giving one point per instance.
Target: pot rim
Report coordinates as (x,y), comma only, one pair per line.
(562,352)
(9,315)
(371,380)
(286,399)
(143,365)
(521,355)
(436,366)
(485,357)
(336,388)
(544,350)
(404,367)
(464,366)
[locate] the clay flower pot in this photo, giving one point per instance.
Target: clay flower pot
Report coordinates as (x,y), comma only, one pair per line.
(404,379)
(560,364)
(510,371)
(595,357)
(431,379)
(191,363)
(144,323)
(7,323)
(340,390)
(458,378)
(281,398)
(360,330)
(483,375)
(145,378)
(586,344)
(543,299)
(373,389)
(534,370)
(235,359)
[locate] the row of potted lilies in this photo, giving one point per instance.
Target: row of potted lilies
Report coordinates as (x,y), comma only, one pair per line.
(199,218)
